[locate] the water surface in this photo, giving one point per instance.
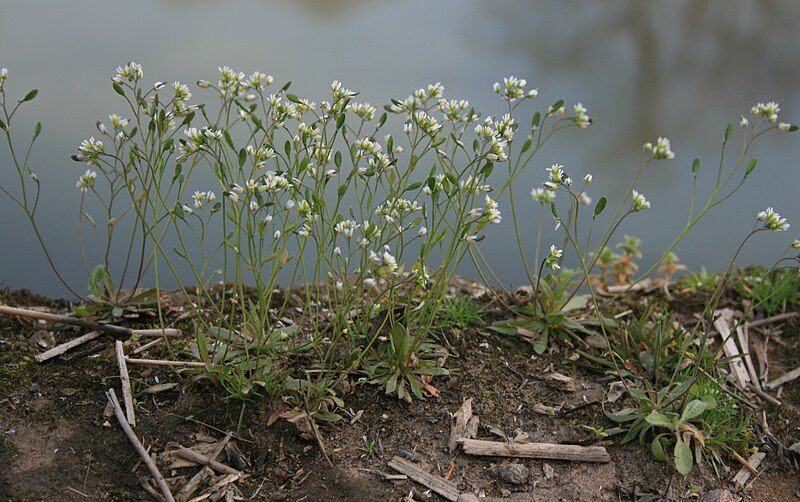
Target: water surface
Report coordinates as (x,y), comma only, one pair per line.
(681,69)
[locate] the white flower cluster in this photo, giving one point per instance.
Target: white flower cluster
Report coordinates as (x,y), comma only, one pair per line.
(131,72)
(767,110)
(346,228)
(773,220)
(385,262)
(513,88)
(117,122)
(491,213)
(661,150)
(454,110)
(556,176)
(553,257)
(640,202)
(581,116)
(426,123)
(497,134)
(86,181)
(202,198)
(260,155)
(198,139)
(396,209)
(89,151)
(364,110)
(543,196)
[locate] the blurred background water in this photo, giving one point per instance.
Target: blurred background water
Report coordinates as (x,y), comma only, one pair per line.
(681,69)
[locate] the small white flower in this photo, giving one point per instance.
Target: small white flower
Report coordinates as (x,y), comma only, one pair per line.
(130,72)
(640,202)
(796,244)
(768,111)
(743,122)
(277,234)
(588,179)
(86,181)
(543,196)
(553,257)
(253,204)
(117,122)
(423,231)
(661,150)
(784,126)
(772,220)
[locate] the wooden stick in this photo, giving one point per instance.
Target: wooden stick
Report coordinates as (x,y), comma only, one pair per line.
(151,466)
(751,468)
(460,420)
(96,326)
(748,361)
(205,473)
(735,363)
(203,460)
(160,362)
(763,395)
(785,378)
(445,488)
(125,381)
(571,452)
(146,346)
(60,349)
(773,319)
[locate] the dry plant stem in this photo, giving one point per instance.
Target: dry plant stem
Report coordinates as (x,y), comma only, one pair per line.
(205,473)
(745,472)
(146,346)
(443,487)
(203,460)
(151,466)
(160,362)
(64,347)
(96,326)
(571,452)
(785,378)
(773,319)
(125,382)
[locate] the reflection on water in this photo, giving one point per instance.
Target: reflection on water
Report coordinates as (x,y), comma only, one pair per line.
(677,68)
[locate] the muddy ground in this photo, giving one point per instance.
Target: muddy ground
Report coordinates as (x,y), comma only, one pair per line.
(56,443)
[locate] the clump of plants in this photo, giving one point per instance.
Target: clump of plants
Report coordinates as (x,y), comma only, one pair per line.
(364,214)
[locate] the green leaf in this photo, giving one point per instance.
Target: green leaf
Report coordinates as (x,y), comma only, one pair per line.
(656,418)
(32,94)
(601,204)
(623,415)
(37,130)
(695,166)
(96,281)
(683,457)
(693,409)
(337,159)
(118,89)
(540,344)
(3,125)
(728,132)
(340,121)
(291,97)
(750,166)
(526,145)
(658,449)
(537,117)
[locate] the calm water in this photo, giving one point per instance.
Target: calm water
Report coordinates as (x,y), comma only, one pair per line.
(682,69)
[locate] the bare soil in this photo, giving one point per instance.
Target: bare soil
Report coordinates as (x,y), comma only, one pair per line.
(56,444)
